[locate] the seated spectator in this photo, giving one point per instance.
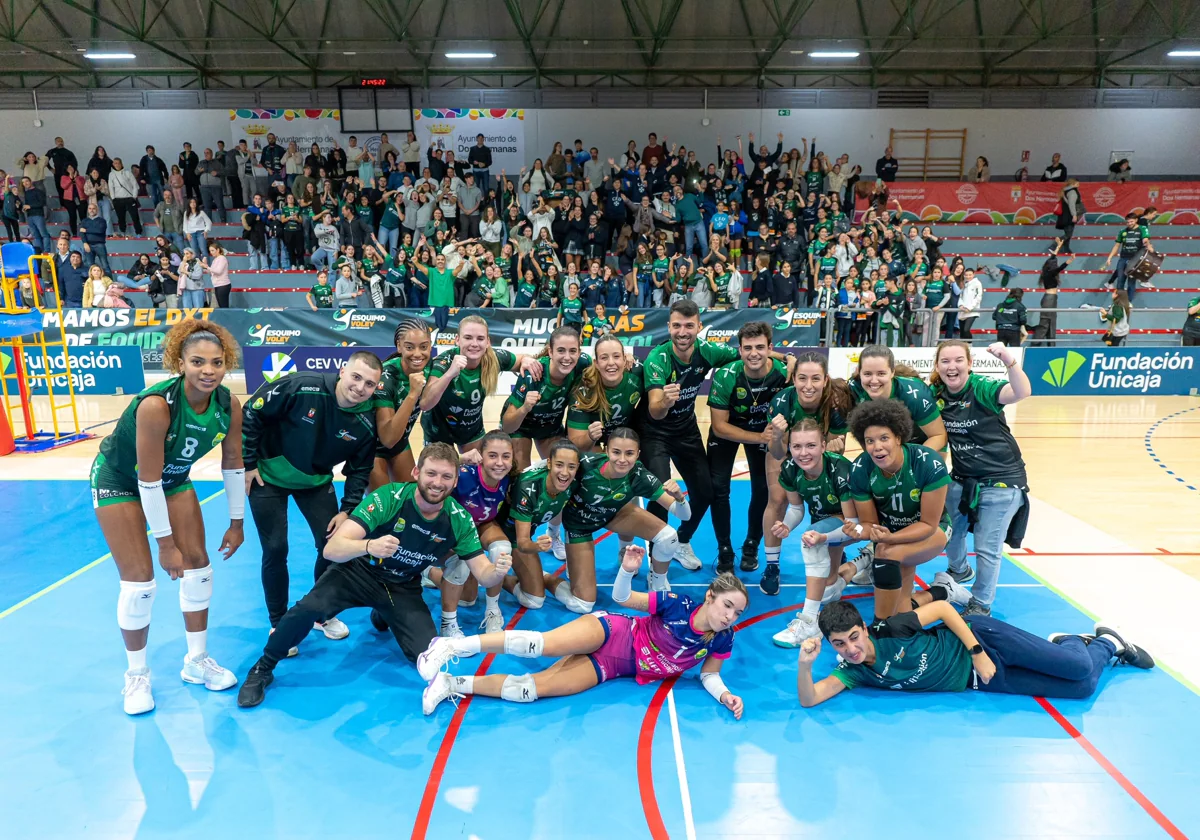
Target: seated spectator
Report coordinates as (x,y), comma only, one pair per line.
(1120,170)
(980,173)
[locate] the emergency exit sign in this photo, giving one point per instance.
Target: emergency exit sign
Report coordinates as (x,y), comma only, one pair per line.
(785,112)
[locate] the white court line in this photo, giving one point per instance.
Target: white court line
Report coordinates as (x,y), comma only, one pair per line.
(852,585)
(689,824)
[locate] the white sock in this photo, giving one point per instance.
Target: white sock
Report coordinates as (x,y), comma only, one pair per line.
(463,685)
(554,529)
(197,643)
(468,644)
(493,603)
(655,577)
(811,607)
(449,617)
(773,554)
(137,659)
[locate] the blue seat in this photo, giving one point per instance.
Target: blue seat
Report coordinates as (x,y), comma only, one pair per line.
(15,256)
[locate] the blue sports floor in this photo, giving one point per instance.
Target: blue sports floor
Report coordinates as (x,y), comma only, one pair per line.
(341,749)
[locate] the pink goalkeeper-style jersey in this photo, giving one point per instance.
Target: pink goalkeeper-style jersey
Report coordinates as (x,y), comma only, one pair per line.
(666,644)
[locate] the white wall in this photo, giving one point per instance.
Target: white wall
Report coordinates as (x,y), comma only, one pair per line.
(1163,140)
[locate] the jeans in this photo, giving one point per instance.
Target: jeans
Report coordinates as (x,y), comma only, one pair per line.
(322,258)
(179,242)
(192,299)
(235,191)
(483,179)
(418,298)
(997,507)
(98,255)
(106,211)
(155,191)
(258,260)
(644,299)
(721,456)
(40,236)
(843,331)
(692,233)
(277,255)
(1029,665)
(441,317)
(199,244)
(269,506)
(1120,278)
(213,202)
(686,450)
(389,239)
(357,584)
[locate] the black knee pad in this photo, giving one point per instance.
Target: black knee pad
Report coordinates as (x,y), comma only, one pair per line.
(887,575)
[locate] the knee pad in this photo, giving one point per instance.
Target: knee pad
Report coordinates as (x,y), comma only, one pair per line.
(816,560)
(567,599)
(887,575)
(665,544)
(195,589)
(495,549)
(455,570)
(520,689)
(524,643)
(135,604)
(529,602)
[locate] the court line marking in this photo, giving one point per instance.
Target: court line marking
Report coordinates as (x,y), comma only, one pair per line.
(1148,441)
(689,824)
(64,580)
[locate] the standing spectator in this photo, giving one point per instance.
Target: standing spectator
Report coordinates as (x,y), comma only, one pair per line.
(968,304)
(96,188)
(691,219)
(164,284)
(196,226)
(1130,241)
(916,321)
(411,150)
(100,160)
(847,300)
(335,166)
(217,268)
(1070,211)
(354,156)
(1120,170)
(175,184)
(12,212)
(490,231)
(385,148)
(271,159)
(153,176)
(480,158)
(1191,324)
(169,217)
(123,187)
(293,163)
(190,284)
(1045,332)
(1055,171)
(212,178)
(886,167)
(980,173)
(328,241)
(72,195)
(233,176)
(59,158)
(95,238)
(1117,318)
(71,279)
(653,151)
(1012,322)
(468,199)
(35,215)
(188,161)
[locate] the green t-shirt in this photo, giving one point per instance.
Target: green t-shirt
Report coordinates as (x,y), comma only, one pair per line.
(598,325)
(396,272)
(787,404)
(441,286)
(571,310)
(814,180)
(824,494)
(1191,325)
(664,367)
(392,511)
(483,287)
(897,498)
(910,658)
(981,444)
(935,292)
(661,268)
(547,416)
(915,395)
(322,295)
(595,499)
(747,400)
(623,400)
(530,501)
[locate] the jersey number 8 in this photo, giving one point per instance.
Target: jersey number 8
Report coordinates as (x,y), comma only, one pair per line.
(189,447)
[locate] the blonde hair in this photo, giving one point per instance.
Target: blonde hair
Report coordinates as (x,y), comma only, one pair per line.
(592,395)
(489,365)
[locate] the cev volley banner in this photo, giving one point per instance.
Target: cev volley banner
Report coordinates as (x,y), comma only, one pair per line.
(1034,202)
(455,129)
(301,126)
(522,330)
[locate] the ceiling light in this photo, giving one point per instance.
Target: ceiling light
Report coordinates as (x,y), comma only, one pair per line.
(109,56)
(1184,53)
(828,54)
(470,55)
(349,52)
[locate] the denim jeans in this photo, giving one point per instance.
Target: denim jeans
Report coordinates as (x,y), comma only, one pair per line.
(418,298)
(155,191)
(277,255)
(40,236)
(483,178)
(1122,279)
(106,212)
(98,255)
(693,233)
(193,299)
(258,260)
(389,239)
(199,244)
(179,242)
(321,259)
(997,507)
(1030,665)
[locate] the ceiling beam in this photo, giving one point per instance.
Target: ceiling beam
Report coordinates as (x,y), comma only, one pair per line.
(666,22)
(783,31)
(92,11)
(261,31)
(637,34)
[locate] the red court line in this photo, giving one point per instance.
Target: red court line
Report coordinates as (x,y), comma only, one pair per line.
(1149,807)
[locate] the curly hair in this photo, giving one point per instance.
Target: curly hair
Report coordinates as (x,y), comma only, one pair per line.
(890,414)
(189,331)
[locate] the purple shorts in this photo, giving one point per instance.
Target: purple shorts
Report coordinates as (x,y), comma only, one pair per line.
(615,658)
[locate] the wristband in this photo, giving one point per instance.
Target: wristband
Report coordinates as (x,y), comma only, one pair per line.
(154,506)
(714,685)
(235,492)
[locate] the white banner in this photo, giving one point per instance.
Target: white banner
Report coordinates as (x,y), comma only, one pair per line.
(503,131)
(305,127)
(843,361)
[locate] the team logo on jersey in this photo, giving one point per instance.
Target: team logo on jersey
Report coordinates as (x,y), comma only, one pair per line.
(741,393)
(832,499)
(346,436)
(634,399)
(703,652)
(220,436)
(399,526)
(618,497)
(914,494)
(171,438)
(308,418)
(257,404)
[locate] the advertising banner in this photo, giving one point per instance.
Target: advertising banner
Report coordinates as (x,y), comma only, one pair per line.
(843,361)
(94,370)
(1114,371)
(267,364)
(455,129)
(304,127)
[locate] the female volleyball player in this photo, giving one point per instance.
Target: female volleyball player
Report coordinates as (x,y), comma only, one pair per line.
(609,392)
(141,477)
(459,382)
(534,412)
(879,378)
(988,471)
(397,400)
(899,492)
(676,635)
(812,394)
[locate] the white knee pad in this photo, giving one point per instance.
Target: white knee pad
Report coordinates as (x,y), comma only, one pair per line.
(520,689)
(530,602)
(524,643)
(816,560)
(456,570)
(495,549)
(135,603)
(567,598)
(666,543)
(195,589)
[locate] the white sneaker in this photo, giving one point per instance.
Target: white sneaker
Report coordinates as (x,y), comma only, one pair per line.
(865,576)
(439,689)
(1145,284)
(294,651)
(333,628)
(205,671)
(138,697)
(557,547)
(686,557)
(451,630)
(799,628)
(956,593)
(434,658)
(493,622)
(659,583)
(833,591)
(426,581)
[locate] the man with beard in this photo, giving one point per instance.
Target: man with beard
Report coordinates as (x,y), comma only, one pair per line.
(378,555)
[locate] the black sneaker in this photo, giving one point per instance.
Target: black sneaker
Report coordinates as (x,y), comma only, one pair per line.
(725,559)
(749,557)
(962,578)
(770,580)
(255,685)
(1131,654)
(378,621)
(974,608)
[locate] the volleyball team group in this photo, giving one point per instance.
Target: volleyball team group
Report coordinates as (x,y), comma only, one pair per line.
(585,450)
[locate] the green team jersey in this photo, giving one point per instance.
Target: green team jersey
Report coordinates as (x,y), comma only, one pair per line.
(817,246)
(723,298)
(397,272)
(915,395)
(483,287)
(661,268)
(322,294)
(1132,240)
(935,292)
(982,445)
(529,500)
(595,499)
(598,325)
(571,310)
(787,404)
(897,498)
(664,367)
(814,180)
(747,400)
(547,290)
(827,265)
(393,390)
(1191,325)
(910,658)
(190,436)
(392,511)
(546,418)
(527,289)
(824,494)
(458,416)
(623,400)
(291,219)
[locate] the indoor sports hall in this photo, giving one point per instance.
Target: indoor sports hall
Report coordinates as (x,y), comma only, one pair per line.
(1050,157)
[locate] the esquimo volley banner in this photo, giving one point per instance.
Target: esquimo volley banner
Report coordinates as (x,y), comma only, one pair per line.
(1114,371)
(516,329)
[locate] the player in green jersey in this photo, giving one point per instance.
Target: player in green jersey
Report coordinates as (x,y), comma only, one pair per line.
(377,556)
(598,325)
(899,492)
(604,488)
(460,381)
(959,654)
(812,394)
(879,378)
(570,309)
(140,478)
(396,402)
(609,393)
(534,412)
(988,487)
(320,296)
